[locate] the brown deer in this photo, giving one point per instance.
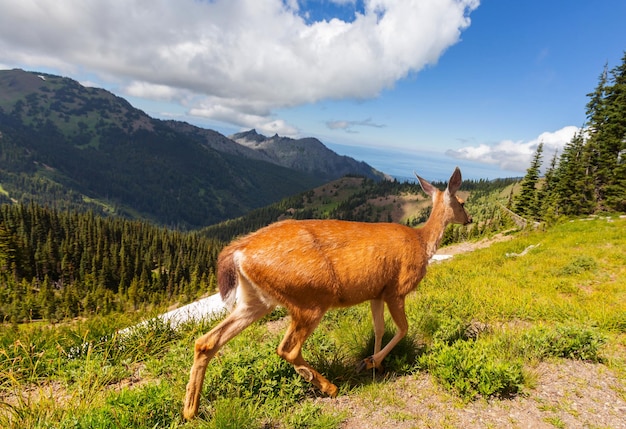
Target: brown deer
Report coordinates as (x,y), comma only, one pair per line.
(310,266)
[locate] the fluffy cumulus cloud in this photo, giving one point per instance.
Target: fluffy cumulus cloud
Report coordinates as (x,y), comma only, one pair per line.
(516,155)
(240,59)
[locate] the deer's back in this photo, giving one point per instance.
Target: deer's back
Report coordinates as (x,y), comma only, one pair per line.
(338,263)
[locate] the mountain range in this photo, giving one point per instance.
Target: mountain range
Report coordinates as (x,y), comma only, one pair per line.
(71,146)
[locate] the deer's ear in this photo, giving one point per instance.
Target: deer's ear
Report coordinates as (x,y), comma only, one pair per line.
(455,181)
(426,187)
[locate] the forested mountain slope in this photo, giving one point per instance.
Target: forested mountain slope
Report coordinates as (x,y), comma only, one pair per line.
(70,146)
(365,200)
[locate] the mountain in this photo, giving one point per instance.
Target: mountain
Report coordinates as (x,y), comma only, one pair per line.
(71,146)
(306,154)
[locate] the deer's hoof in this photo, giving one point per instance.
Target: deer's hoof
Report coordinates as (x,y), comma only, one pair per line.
(367,364)
(332,391)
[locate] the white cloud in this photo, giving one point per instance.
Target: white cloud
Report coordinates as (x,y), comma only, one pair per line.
(153,91)
(237,55)
(349,126)
(89,84)
(246,120)
(516,155)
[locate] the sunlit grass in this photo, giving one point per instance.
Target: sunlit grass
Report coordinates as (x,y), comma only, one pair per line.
(573,273)
(478,323)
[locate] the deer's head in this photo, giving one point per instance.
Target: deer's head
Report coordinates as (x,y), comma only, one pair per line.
(447,204)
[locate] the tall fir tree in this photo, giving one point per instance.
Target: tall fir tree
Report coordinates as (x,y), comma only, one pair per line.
(596,106)
(526,203)
(605,147)
(613,153)
(574,186)
(547,196)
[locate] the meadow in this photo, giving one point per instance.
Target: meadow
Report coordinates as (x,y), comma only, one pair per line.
(480,324)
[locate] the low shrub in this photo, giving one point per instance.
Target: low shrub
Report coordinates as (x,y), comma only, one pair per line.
(473,368)
(562,341)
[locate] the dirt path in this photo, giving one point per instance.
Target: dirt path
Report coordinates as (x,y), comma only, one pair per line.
(470,246)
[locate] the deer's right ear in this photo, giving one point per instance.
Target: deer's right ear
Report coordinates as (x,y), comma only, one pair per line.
(455,181)
(426,187)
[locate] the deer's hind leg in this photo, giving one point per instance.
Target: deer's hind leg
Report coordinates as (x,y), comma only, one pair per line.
(250,308)
(290,349)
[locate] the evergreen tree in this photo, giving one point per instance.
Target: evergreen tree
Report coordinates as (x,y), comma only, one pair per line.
(57,265)
(7,250)
(526,203)
(47,301)
(613,149)
(596,106)
(547,195)
(605,148)
(574,187)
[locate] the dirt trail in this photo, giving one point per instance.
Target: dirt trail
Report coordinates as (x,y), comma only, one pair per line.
(470,246)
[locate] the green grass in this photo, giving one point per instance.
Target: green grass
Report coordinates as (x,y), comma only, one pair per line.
(478,325)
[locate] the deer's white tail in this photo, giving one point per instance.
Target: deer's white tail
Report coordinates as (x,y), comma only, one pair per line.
(227,278)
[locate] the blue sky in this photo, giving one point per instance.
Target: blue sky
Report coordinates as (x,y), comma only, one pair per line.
(402,84)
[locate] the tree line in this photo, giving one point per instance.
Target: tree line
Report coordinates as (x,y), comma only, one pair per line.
(589,176)
(56,265)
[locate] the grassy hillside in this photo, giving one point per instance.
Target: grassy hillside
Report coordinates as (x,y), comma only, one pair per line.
(360,199)
(480,326)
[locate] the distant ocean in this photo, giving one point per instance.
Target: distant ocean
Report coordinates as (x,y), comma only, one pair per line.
(429,165)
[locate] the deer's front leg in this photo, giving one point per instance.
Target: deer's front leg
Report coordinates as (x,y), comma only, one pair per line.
(378,316)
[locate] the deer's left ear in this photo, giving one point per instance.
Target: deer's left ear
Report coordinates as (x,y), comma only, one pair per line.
(455,181)
(426,187)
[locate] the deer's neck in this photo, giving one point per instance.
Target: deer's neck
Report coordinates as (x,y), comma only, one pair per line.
(432,232)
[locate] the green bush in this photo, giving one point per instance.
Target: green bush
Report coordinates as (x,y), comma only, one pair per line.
(233,413)
(563,341)
(473,368)
(580,264)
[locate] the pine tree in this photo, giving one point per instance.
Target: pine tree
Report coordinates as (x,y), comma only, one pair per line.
(7,250)
(596,106)
(547,195)
(526,203)
(574,185)
(613,153)
(605,148)
(47,300)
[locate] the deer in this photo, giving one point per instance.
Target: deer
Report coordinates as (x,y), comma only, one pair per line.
(311,266)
